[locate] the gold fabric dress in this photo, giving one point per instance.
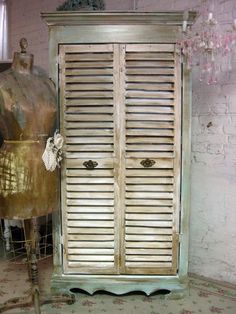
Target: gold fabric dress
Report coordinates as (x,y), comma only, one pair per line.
(27,118)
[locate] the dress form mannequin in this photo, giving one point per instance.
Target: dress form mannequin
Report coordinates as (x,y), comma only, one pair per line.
(27,118)
(27,189)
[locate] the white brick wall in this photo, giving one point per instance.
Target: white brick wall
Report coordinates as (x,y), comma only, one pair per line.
(213,216)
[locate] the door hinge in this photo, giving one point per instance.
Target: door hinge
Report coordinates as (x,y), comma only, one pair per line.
(180,235)
(58,63)
(62,245)
(61,239)
(177,237)
(58,59)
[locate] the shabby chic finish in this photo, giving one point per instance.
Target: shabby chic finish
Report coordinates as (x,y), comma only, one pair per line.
(124,109)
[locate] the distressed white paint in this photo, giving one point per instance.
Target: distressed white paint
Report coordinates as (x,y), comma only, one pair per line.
(213,212)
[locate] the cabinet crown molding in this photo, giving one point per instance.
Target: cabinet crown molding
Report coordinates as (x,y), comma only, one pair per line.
(120,18)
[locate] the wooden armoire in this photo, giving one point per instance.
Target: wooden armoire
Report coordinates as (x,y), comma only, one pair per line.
(124,111)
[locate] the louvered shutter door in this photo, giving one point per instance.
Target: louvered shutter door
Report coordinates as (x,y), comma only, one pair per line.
(152,158)
(87,120)
(120,108)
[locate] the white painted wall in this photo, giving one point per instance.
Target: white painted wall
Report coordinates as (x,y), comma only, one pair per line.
(213,217)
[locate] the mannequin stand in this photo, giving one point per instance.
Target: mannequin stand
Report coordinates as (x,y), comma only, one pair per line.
(35,298)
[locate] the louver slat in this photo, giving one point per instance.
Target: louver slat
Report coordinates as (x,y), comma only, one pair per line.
(151,106)
(87,119)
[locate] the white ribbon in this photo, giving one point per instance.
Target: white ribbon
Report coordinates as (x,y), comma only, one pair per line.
(52,154)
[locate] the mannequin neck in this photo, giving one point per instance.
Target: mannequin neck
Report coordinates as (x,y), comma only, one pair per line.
(22,62)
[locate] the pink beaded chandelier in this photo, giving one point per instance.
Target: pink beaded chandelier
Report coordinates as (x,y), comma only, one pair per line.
(209,44)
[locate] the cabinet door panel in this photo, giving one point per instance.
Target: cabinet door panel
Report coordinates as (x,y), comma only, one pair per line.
(152,159)
(87,123)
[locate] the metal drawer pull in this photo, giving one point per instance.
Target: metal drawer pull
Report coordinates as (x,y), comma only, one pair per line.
(90,164)
(147,163)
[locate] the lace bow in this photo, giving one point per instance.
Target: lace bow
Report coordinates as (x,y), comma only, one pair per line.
(52,154)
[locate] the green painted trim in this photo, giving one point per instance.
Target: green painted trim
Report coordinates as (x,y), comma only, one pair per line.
(186,162)
(119,284)
(56,219)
